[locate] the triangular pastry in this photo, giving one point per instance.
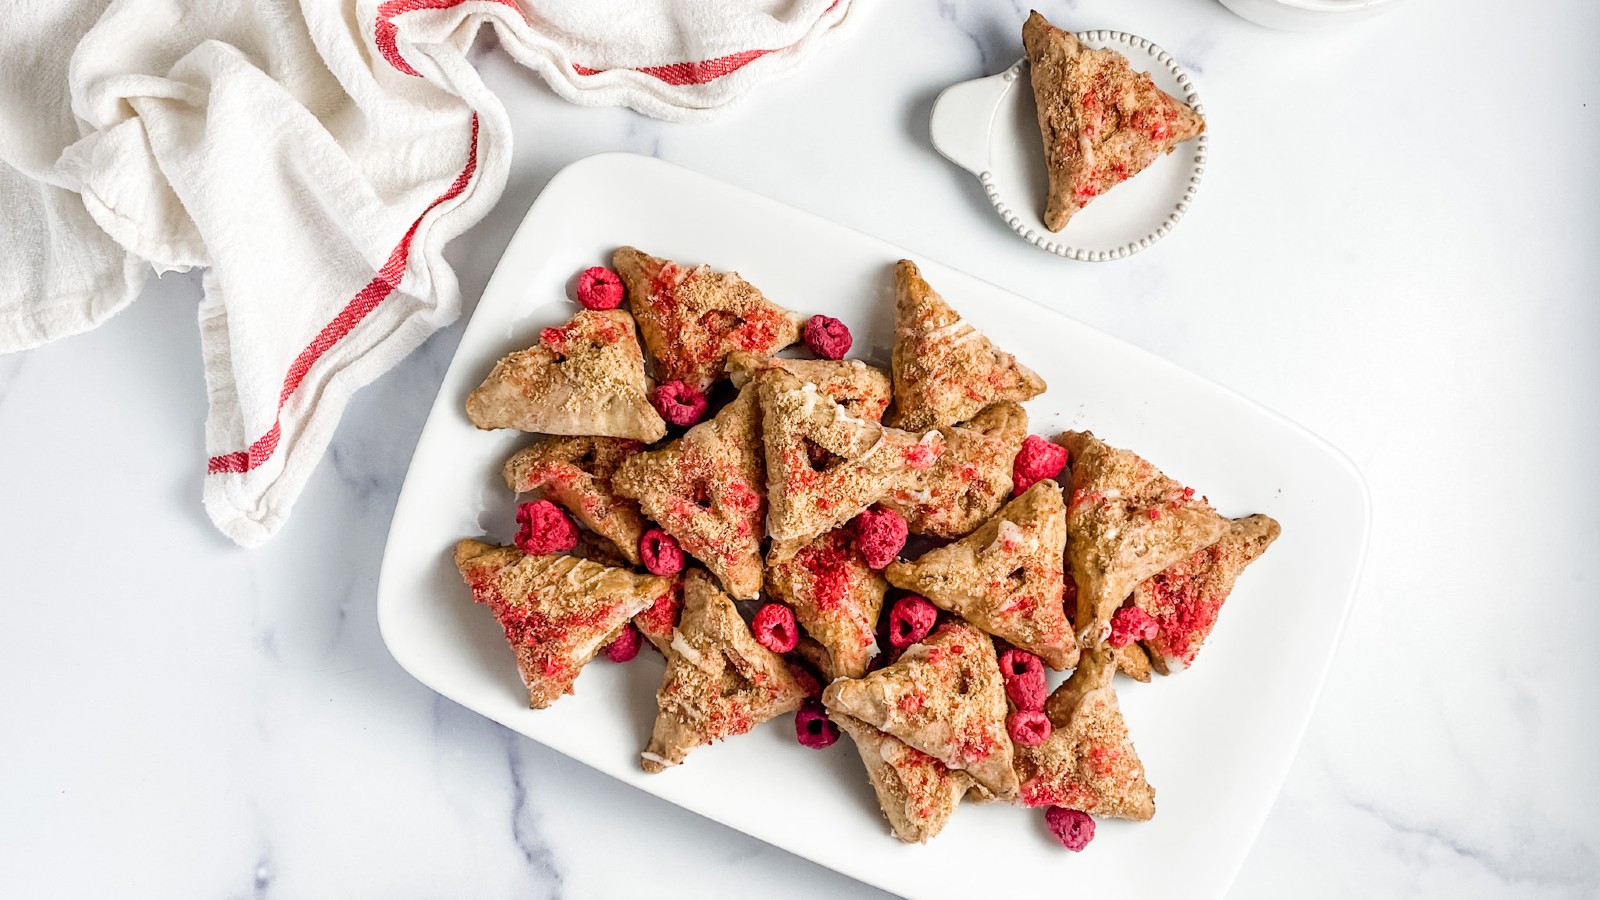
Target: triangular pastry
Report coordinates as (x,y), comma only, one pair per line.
(583,378)
(1185,598)
(657,622)
(1006,578)
(1102,122)
(971,479)
(705,489)
(944,697)
(945,371)
(692,319)
(576,473)
(1126,521)
(861,389)
(719,681)
(916,792)
(836,596)
(557,611)
(1088,763)
(824,466)
(1133,661)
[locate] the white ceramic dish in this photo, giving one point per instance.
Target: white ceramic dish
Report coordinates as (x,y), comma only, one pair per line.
(1216,741)
(1308,15)
(990,127)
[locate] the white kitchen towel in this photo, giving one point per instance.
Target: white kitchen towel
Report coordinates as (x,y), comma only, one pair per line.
(314,158)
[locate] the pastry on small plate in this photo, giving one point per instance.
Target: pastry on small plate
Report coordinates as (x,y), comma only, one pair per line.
(1101,121)
(836,596)
(583,378)
(705,489)
(861,389)
(971,479)
(719,682)
(1088,763)
(945,371)
(1126,521)
(576,473)
(824,466)
(557,611)
(1185,598)
(692,319)
(916,792)
(1005,578)
(944,697)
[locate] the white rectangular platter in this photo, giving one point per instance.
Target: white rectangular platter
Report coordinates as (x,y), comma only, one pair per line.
(1217,741)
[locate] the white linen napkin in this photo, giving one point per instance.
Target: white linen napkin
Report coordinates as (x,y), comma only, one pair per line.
(315,158)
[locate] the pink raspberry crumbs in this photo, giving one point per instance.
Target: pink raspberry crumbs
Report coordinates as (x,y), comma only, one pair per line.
(880,535)
(624,646)
(660,552)
(910,620)
(545,528)
(827,337)
(599,288)
(1028,727)
(1074,829)
(775,629)
(813,728)
(678,403)
(1130,624)
(1037,460)
(1023,675)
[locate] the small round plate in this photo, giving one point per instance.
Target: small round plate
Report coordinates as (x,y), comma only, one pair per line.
(990,127)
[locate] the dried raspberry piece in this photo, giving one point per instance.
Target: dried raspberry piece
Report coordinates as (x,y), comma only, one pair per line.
(827,337)
(1037,460)
(678,403)
(813,728)
(880,535)
(599,288)
(1130,624)
(1073,828)
(809,685)
(1028,727)
(775,629)
(660,552)
(545,528)
(1023,675)
(910,620)
(624,646)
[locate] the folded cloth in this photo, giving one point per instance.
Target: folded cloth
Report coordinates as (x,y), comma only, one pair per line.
(314,158)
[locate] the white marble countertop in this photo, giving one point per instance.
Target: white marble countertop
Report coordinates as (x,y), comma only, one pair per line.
(1396,245)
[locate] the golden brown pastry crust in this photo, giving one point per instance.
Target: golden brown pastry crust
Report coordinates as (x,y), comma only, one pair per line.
(1186,597)
(692,319)
(583,378)
(972,478)
(557,611)
(1006,578)
(836,596)
(944,697)
(944,370)
(1101,121)
(576,473)
(1088,763)
(719,681)
(917,793)
(705,489)
(1126,521)
(862,390)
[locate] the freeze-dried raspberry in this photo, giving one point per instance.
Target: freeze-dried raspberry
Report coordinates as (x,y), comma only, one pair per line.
(910,620)
(827,337)
(1130,624)
(1074,829)
(599,288)
(624,646)
(678,403)
(1037,460)
(813,728)
(775,629)
(1028,727)
(880,535)
(1023,675)
(660,552)
(545,528)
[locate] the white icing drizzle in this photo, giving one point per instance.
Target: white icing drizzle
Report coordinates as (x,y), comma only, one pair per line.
(684,649)
(655,758)
(1009,533)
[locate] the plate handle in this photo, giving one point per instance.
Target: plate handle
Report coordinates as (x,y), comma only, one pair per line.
(963,116)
